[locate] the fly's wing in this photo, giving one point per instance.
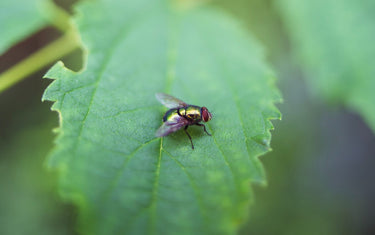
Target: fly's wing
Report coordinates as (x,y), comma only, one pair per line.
(171,126)
(170,101)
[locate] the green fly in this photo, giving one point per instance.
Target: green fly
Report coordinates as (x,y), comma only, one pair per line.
(181,115)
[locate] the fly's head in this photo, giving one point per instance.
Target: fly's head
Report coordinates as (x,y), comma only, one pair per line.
(206,115)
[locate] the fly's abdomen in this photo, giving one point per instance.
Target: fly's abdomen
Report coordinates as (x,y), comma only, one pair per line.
(170,115)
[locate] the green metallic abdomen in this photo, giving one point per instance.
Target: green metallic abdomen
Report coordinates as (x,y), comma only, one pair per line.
(171,115)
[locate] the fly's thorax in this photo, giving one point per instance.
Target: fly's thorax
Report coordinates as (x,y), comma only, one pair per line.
(191,112)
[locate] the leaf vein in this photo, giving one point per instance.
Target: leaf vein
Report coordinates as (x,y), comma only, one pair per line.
(155,190)
(236,102)
(116,179)
(193,185)
(106,61)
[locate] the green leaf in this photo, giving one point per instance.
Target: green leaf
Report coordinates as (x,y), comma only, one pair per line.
(123,178)
(334,41)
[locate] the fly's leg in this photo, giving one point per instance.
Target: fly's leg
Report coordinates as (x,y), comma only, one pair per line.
(191,141)
(204,128)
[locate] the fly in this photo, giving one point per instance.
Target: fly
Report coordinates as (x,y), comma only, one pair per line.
(181,115)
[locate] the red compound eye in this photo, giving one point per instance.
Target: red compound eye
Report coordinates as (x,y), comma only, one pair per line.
(206,114)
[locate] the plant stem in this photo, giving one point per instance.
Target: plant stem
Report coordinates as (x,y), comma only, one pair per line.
(43,57)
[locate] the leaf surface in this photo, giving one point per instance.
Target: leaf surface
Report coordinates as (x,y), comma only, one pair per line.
(120,175)
(334,41)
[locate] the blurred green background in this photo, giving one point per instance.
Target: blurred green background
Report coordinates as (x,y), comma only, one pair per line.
(320,173)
